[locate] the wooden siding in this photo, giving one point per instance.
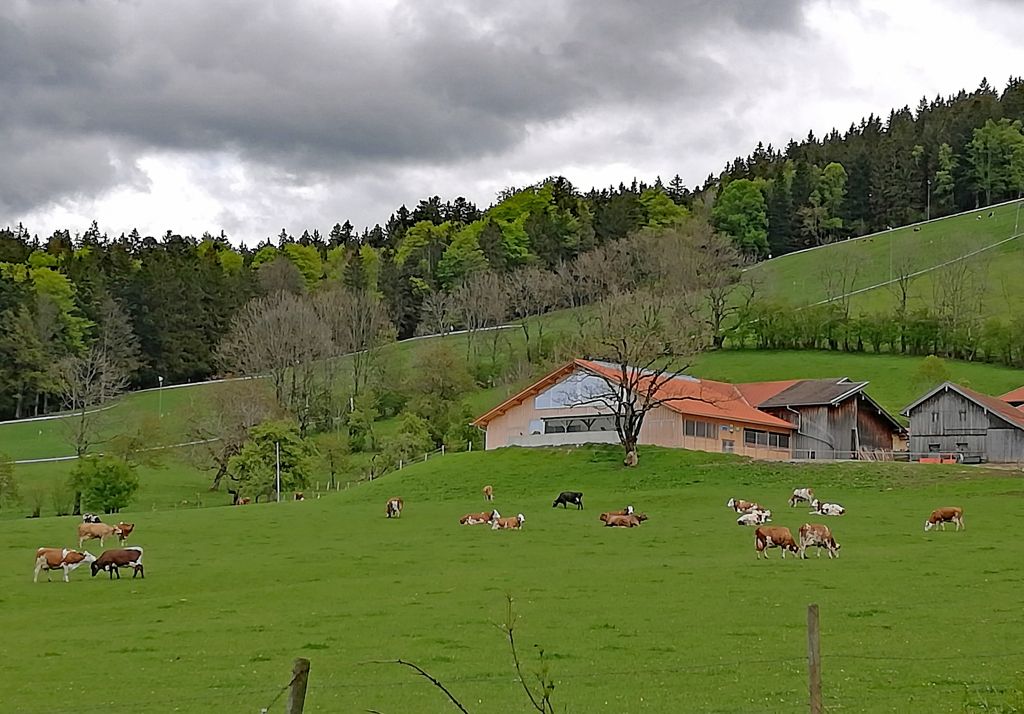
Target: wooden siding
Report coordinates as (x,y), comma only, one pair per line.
(844,428)
(874,430)
(954,423)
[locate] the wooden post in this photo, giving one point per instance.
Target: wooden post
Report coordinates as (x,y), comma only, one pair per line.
(814,659)
(297,691)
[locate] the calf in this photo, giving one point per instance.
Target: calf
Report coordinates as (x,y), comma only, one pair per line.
(774,537)
(741,506)
(123,530)
(513,523)
(90,518)
(567,497)
(818,535)
(88,531)
(941,516)
(754,518)
(826,509)
(800,495)
(59,558)
(393,509)
(488,493)
(476,519)
(113,560)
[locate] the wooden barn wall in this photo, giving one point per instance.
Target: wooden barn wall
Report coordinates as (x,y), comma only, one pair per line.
(954,422)
(876,432)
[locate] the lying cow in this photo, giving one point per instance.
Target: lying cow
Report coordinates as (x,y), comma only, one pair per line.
(393,509)
(610,516)
(818,535)
(476,519)
(774,537)
(90,518)
(100,531)
(243,501)
(59,559)
(122,530)
(826,509)
(113,560)
(630,521)
(754,518)
(488,493)
(299,496)
(741,506)
(627,511)
(942,516)
(801,495)
(567,497)
(512,522)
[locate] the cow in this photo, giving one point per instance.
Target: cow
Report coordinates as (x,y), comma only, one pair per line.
(88,531)
(512,523)
(741,506)
(610,515)
(476,519)
(774,537)
(243,501)
(800,495)
(299,496)
(113,560)
(754,518)
(818,535)
(123,530)
(826,509)
(90,518)
(941,516)
(59,558)
(488,493)
(394,506)
(627,511)
(630,521)
(567,497)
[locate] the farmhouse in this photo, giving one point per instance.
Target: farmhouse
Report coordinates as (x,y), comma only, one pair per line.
(952,419)
(833,418)
(566,407)
(1015,398)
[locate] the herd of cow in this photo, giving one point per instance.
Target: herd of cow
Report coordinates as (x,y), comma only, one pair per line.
(816,535)
(111,560)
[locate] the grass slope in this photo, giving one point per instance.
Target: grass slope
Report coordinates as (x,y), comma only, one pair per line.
(631,620)
(796,278)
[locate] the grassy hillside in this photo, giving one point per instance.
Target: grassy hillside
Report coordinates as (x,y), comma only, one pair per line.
(796,278)
(233,595)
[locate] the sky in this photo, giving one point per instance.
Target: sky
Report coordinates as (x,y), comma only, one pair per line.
(249,116)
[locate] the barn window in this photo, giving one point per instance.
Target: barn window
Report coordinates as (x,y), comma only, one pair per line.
(961,446)
(963,415)
(935,417)
(934,448)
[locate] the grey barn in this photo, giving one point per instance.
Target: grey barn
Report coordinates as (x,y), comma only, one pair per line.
(952,419)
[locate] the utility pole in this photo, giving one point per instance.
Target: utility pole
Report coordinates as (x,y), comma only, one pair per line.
(928,215)
(277,454)
(814,659)
(160,398)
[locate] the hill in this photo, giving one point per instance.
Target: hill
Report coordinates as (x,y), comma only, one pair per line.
(232,595)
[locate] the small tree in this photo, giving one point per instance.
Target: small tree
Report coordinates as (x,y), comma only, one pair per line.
(106,483)
(412,441)
(931,373)
(254,469)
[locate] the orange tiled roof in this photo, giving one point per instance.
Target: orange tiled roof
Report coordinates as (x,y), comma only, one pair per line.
(758,392)
(1017,395)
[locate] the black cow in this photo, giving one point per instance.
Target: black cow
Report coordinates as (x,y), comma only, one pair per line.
(567,497)
(90,518)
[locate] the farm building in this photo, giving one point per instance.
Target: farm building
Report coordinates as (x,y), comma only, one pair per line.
(952,419)
(833,418)
(1015,398)
(565,408)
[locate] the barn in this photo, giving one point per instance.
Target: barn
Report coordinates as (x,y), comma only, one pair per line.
(1015,398)
(952,419)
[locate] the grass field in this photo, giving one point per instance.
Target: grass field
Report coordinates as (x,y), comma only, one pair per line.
(796,278)
(674,616)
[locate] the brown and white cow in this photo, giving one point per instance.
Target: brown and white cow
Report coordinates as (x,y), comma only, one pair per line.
(754,518)
(774,537)
(243,501)
(488,493)
(741,506)
(819,508)
(113,560)
(801,495)
(299,496)
(631,521)
(101,531)
(817,534)
(122,530)
(477,519)
(512,522)
(394,506)
(627,511)
(59,559)
(941,516)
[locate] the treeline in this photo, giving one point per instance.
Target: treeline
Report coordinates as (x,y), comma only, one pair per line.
(947,155)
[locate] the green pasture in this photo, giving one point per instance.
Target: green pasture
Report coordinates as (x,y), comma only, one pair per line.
(674,616)
(797,280)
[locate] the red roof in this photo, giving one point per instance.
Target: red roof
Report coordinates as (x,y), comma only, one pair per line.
(1017,395)
(758,392)
(998,406)
(685,395)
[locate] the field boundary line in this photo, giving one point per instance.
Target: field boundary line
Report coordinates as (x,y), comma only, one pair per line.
(54,459)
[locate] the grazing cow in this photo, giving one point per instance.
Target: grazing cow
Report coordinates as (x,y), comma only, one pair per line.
(88,531)
(90,518)
(567,497)
(477,519)
(774,537)
(818,535)
(941,516)
(113,560)
(488,493)
(299,496)
(741,506)
(754,518)
(59,559)
(826,509)
(512,523)
(393,509)
(123,530)
(800,495)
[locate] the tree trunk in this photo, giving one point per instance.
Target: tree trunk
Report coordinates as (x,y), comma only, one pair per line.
(77,509)
(221,470)
(632,459)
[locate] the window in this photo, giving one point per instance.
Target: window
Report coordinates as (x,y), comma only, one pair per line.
(571,425)
(934,448)
(703,429)
(963,415)
(728,446)
(935,417)
(757,437)
(961,447)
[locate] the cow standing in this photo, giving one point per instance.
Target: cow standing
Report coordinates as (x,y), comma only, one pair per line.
(394,506)
(113,560)
(488,493)
(817,534)
(942,516)
(766,537)
(59,558)
(567,497)
(801,495)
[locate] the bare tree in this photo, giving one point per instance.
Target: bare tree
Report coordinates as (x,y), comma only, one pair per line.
(838,280)
(530,292)
(360,327)
(116,337)
(902,278)
(437,313)
(716,269)
(481,302)
(280,275)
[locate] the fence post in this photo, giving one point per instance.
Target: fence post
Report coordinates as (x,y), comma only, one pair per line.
(399,464)
(814,659)
(297,691)
(442,449)
(470,445)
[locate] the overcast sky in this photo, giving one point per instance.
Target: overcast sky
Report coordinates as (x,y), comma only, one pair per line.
(250,116)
